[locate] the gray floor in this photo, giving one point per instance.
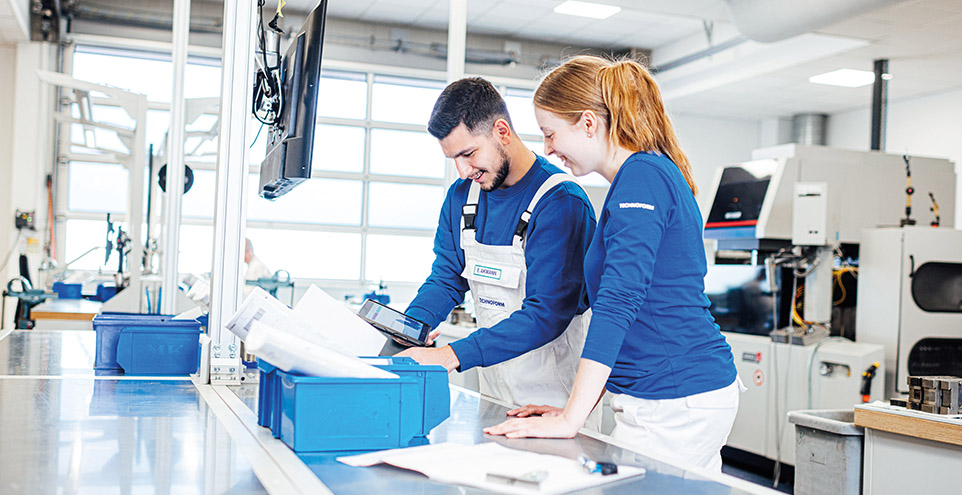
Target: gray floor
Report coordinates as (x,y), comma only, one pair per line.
(756,477)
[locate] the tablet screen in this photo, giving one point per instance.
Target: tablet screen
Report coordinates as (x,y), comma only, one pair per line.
(394,320)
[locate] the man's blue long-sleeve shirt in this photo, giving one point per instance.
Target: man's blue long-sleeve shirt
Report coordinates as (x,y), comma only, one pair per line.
(559,232)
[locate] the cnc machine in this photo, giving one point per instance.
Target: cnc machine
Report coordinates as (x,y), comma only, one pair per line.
(788,229)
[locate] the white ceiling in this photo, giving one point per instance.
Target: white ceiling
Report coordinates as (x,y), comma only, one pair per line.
(640,23)
(921,38)
(13,21)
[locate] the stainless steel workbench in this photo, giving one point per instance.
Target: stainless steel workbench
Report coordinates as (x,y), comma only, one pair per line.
(63,429)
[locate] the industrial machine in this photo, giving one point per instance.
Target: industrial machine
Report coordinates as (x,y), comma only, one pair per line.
(910,301)
(835,373)
(787,228)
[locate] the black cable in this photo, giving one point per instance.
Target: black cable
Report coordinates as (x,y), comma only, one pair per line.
(265,83)
(262,33)
(6,257)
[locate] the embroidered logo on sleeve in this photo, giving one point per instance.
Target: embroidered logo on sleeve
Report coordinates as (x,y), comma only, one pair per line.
(644,206)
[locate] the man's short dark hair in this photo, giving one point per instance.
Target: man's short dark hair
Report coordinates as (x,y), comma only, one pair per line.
(472,101)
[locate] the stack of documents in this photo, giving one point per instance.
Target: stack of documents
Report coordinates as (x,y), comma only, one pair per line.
(319,337)
(491,466)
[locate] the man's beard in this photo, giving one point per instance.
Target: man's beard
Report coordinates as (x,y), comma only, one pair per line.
(501,174)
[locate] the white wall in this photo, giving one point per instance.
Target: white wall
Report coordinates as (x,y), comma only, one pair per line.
(930,126)
(24,148)
(711,142)
(8,58)
(31,146)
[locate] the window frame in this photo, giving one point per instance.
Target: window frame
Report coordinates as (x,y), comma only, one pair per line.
(370,73)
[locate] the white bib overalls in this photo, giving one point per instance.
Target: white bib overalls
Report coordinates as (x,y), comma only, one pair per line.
(496,275)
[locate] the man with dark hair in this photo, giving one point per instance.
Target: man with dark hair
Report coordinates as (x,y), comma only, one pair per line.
(514,231)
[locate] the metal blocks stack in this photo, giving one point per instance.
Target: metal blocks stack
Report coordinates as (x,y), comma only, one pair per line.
(935,394)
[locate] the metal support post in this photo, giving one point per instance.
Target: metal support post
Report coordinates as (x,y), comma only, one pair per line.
(457,43)
(879,104)
(135,218)
(230,206)
(175,158)
(457,38)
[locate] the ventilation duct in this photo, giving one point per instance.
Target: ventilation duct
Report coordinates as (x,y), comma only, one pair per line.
(809,128)
(776,20)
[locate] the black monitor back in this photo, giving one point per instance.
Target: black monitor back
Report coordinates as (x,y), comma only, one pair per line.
(290,143)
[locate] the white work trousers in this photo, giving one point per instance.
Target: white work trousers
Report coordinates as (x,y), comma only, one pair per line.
(689,431)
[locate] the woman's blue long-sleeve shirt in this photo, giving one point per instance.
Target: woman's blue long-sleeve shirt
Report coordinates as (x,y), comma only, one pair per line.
(645,273)
(559,231)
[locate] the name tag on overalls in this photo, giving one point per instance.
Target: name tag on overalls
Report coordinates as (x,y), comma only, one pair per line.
(486,272)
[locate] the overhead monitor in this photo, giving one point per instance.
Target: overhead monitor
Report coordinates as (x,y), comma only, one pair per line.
(290,139)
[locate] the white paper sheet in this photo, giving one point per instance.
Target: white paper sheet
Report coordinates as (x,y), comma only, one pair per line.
(261,306)
(291,353)
(338,324)
(200,292)
(190,314)
(470,464)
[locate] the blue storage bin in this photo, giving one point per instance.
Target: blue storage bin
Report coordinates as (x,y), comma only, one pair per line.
(323,414)
(109,327)
(432,387)
(68,291)
(164,350)
(105,292)
(268,398)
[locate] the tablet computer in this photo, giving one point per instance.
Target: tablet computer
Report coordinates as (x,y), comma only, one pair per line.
(394,323)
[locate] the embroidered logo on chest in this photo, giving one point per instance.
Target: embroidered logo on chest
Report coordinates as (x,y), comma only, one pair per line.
(643,206)
(493,303)
(487,272)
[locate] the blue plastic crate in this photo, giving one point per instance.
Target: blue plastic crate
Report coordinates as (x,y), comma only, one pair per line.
(433,389)
(109,327)
(268,398)
(433,392)
(68,291)
(105,292)
(164,350)
(322,414)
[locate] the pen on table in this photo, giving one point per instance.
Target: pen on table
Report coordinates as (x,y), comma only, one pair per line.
(590,466)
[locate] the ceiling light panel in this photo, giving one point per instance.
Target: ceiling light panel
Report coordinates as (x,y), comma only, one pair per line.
(587,9)
(848,78)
